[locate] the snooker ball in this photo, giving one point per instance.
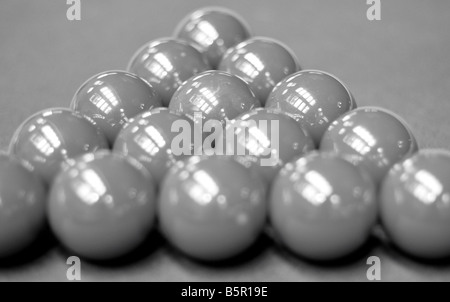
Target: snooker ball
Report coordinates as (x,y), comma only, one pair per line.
(415,204)
(261,62)
(213,30)
(211,207)
(112,97)
(102,205)
(322,207)
(22,205)
(265,140)
(372,137)
(314,98)
(213,95)
(166,63)
(51,137)
(149,137)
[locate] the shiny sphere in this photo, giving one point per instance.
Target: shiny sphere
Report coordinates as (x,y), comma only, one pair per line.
(102,206)
(53,136)
(22,206)
(322,207)
(149,138)
(215,95)
(112,97)
(264,140)
(166,63)
(371,137)
(314,98)
(261,62)
(415,204)
(213,30)
(211,208)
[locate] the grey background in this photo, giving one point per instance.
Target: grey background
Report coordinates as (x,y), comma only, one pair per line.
(400,63)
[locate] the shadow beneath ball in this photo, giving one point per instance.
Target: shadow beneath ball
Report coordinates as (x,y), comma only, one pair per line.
(408,259)
(411,260)
(261,245)
(36,250)
(351,259)
(148,247)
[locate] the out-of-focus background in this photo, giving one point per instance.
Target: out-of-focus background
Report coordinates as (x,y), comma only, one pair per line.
(400,62)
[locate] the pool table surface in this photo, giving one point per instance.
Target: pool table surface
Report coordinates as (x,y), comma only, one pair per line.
(400,62)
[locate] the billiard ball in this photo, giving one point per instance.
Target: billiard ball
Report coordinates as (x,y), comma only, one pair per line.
(322,207)
(261,62)
(102,205)
(213,95)
(314,98)
(51,137)
(265,140)
(415,204)
(22,206)
(149,138)
(211,207)
(372,137)
(213,30)
(166,63)
(112,97)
